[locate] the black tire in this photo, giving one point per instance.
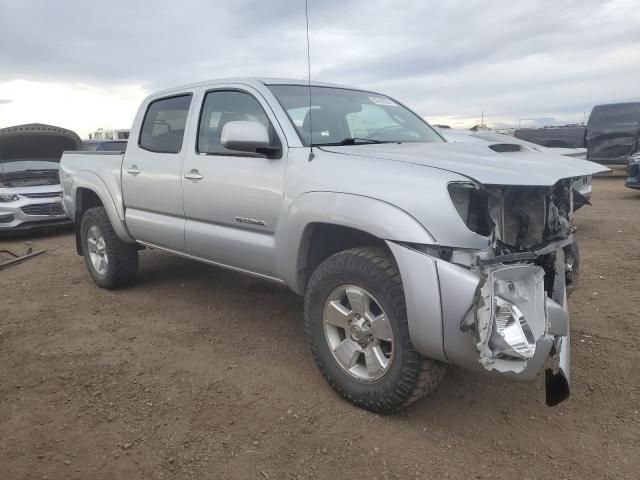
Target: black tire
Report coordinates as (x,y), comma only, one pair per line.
(411,375)
(122,267)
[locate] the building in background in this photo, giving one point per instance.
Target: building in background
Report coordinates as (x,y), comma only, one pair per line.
(101,134)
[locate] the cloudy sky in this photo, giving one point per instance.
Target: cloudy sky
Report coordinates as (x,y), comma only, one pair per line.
(85,64)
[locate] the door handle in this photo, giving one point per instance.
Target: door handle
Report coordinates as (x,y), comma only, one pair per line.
(193,175)
(133,170)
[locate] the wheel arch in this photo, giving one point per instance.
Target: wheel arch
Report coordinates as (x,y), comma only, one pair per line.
(85,199)
(321,240)
(320,224)
(90,191)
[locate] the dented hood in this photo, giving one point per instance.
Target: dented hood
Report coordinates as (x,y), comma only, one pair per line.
(480,162)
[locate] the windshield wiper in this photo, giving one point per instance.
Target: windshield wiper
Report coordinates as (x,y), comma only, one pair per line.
(352,141)
(356,140)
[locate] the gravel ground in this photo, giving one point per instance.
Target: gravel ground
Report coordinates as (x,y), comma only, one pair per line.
(197,372)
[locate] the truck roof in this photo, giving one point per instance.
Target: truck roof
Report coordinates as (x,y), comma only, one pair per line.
(621,104)
(252,81)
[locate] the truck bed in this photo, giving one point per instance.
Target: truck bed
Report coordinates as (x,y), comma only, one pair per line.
(106,167)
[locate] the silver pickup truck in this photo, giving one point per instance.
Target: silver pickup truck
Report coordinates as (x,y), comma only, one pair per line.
(411,252)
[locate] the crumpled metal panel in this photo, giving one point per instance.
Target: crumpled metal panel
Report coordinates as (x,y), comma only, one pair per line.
(523,286)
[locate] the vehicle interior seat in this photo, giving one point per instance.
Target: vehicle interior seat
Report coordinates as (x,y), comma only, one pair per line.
(326,128)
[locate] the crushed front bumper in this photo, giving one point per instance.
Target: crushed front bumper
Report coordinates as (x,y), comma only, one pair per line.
(452,316)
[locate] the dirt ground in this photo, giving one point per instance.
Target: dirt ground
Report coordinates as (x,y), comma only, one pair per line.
(198,372)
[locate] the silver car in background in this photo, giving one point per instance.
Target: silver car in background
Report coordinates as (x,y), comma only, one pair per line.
(30,192)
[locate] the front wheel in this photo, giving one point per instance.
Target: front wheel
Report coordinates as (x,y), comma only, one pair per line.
(356,326)
(111,262)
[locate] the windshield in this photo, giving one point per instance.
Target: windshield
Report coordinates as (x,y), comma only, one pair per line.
(346,117)
(29,165)
(29,173)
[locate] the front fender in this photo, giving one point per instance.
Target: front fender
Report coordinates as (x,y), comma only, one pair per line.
(370,215)
(421,284)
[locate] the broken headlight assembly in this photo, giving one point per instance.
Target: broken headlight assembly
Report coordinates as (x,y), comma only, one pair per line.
(472,205)
(512,336)
(511,316)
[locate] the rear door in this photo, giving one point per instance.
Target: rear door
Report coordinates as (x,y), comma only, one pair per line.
(232,200)
(612,132)
(151,174)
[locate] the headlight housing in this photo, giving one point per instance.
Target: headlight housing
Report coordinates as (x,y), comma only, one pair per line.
(512,336)
(511,317)
(8,197)
(472,205)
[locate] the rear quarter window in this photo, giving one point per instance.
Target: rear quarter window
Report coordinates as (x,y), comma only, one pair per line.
(164,123)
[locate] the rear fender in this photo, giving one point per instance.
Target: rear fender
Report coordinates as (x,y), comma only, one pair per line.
(113,207)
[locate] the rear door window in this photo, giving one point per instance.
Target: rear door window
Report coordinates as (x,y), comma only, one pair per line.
(164,124)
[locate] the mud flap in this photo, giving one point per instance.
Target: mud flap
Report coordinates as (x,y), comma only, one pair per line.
(557,387)
(76,229)
(557,384)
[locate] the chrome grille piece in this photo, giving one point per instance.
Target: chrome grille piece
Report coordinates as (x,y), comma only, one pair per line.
(42,195)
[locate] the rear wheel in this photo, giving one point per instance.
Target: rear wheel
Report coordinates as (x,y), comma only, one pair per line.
(111,262)
(356,327)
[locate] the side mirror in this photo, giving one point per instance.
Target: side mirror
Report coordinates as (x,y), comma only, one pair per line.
(245,136)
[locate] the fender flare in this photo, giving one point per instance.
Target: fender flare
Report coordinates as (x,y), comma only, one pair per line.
(92,182)
(370,215)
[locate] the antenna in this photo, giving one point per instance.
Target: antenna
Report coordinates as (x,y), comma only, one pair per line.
(306,14)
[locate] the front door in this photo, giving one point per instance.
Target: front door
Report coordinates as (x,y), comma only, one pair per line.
(152,174)
(232,199)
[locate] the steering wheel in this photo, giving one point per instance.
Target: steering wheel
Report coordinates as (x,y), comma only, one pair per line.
(380,130)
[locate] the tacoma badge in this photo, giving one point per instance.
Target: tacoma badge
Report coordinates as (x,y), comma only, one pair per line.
(250,221)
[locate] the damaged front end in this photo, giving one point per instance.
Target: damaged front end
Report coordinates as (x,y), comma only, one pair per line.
(518,327)
(518,313)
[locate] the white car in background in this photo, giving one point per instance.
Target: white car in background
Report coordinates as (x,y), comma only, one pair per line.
(30,192)
(481,136)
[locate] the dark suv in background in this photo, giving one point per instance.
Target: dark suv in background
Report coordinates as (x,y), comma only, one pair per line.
(104,145)
(612,133)
(566,136)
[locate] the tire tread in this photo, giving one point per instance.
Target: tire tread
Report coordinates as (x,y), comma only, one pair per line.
(420,375)
(123,257)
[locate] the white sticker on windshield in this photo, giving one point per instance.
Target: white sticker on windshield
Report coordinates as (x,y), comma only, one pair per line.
(383,101)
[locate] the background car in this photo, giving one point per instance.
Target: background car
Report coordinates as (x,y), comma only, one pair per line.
(566,136)
(104,145)
(633,172)
(613,133)
(30,193)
